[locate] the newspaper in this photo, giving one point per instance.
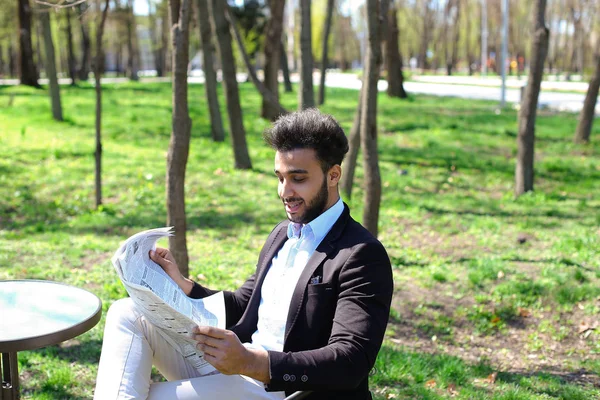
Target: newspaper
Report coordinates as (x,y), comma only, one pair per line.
(162,301)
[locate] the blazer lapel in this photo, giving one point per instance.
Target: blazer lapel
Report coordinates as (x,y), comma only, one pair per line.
(322,251)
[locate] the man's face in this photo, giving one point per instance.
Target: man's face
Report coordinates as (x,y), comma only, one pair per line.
(303,187)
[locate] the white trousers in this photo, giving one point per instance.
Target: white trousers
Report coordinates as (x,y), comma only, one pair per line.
(131,345)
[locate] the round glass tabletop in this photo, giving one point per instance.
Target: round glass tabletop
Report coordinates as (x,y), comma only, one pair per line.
(37,313)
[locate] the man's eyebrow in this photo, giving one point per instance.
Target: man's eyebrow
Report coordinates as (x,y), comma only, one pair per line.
(292,171)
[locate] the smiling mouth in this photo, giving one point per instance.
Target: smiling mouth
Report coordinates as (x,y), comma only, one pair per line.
(292,206)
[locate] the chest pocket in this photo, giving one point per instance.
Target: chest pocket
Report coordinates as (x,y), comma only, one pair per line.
(320,309)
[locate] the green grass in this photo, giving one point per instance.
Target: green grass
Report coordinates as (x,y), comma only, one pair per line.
(484,282)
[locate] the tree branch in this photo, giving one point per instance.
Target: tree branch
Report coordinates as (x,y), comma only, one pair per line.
(60,4)
(266,93)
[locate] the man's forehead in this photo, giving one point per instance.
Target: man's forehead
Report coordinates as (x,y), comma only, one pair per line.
(295,160)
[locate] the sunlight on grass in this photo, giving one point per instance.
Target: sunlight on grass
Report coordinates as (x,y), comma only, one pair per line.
(480,276)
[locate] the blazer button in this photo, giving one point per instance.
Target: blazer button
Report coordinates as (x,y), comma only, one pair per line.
(304,378)
(292,378)
(286,377)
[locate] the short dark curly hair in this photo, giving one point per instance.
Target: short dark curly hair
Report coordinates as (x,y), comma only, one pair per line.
(309,129)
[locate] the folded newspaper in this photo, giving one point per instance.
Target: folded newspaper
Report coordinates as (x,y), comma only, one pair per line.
(162,301)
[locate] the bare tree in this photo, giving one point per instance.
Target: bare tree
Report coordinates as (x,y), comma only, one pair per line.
(132,43)
(50,61)
(272,50)
(210,82)
(266,93)
(349,165)
(285,69)
(324,60)
(452,33)
(586,117)
(70,52)
(376,12)
(232,96)
(306,92)
(393,60)
(28,73)
(84,66)
(524,172)
(98,69)
(179,146)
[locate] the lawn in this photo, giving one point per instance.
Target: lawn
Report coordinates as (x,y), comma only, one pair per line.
(496,297)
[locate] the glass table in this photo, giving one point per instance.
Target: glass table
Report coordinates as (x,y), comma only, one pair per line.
(35,314)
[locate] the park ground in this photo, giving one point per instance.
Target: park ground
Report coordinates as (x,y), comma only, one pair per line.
(496,297)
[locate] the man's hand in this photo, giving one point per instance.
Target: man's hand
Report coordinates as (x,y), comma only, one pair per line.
(164,258)
(224,351)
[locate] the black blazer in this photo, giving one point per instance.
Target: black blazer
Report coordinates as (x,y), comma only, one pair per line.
(334,329)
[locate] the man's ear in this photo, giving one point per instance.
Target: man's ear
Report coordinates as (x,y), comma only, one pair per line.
(334,175)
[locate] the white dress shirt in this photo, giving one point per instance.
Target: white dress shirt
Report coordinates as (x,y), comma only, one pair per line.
(283,274)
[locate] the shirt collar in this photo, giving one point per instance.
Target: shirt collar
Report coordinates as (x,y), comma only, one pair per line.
(319,226)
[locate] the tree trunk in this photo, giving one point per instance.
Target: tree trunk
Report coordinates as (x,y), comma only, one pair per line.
(468,52)
(210,82)
(50,60)
(349,165)
(2,63)
(368,122)
(324,60)
(98,69)
(179,145)
(164,41)
(285,69)
(425,34)
(526,137)
(456,31)
(306,93)
(154,40)
(586,117)
(132,48)
(84,66)
(71,53)
(393,59)
(39,59)
(266,94)
(273,33)
(232,96)
(12,63)
(28,74)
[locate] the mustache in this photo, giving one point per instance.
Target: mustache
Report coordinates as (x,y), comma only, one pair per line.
(290,199)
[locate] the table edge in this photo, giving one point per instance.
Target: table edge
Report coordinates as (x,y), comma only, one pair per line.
(35,342)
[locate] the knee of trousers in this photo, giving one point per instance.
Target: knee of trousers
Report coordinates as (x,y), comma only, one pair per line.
(122,311)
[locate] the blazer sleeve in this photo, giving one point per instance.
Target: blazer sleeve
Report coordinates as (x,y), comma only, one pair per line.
(360,320)
(235,302)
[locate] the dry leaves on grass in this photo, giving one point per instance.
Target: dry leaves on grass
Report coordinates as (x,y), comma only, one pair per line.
(430,384)
(452,390)
(586,327)
(523,312)
(490,380)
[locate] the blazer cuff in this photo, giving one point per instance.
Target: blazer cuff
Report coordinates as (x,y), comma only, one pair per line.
(198,292)
(284,375)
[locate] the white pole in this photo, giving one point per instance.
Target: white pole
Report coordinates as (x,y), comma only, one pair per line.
(484,37)
(504,55)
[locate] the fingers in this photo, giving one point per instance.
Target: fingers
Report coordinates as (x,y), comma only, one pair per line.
(212,331)
(157,258)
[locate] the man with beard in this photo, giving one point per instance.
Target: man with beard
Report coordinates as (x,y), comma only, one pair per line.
(311,318)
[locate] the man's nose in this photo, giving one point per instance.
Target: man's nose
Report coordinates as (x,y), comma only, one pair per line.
(285,189)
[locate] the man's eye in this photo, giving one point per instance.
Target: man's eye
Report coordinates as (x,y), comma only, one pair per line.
(299,180)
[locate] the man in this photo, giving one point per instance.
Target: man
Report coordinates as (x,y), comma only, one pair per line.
(311,318)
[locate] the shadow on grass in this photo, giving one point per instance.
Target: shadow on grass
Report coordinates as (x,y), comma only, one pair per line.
(410,374)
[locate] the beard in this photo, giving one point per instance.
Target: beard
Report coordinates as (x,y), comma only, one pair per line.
(314,208)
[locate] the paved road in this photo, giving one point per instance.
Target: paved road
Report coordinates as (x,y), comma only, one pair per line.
(560,101)
(464,87)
